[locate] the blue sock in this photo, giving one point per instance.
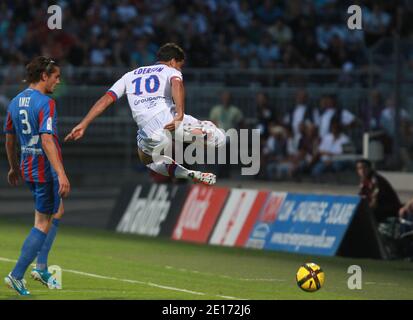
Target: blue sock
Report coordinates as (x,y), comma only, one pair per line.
(47,245)
(30,249)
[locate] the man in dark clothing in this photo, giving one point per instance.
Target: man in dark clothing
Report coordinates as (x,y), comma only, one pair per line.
(378,192)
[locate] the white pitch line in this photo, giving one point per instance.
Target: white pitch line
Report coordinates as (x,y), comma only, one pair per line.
(151,284)
(227,277)
(230,298)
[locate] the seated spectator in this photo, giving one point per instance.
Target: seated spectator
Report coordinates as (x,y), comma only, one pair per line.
(126,11)
(100,53)
(376,24)
(381,198)
(274,151)
(329,112)
(372,111)
(226,115)
(268,12)
(268,52)
(280,32)
(331,146)
(308,146)
(242,46)
(337,52)
(325,32)
(388,114)
(243,14)
(287,166)
(302,112)
(264,114)
(142,55)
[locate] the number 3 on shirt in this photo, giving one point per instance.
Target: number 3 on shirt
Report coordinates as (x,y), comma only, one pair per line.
(151,84)
(25,121)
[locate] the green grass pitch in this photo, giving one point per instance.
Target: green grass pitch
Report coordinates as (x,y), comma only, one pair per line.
(105,265)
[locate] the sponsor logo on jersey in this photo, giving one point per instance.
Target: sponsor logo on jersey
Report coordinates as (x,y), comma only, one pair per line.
(49,125)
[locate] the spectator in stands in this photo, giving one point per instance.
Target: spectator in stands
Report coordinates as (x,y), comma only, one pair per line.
(307,45)
(294,26)
(330,112)
(100,52)
(381,198)
(302,112)
(308,146)
(288,163)
(372,111)
(280,32)
(332,145)
(268,52)
(388,115)
(371,120)
(142,55)
(376,23)
(264,114)
(243,14)
(274,151)
(268,12)
(337,52)
(226,115)
(325,32)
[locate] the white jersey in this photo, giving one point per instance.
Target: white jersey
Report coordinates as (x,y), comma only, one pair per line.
(148,90)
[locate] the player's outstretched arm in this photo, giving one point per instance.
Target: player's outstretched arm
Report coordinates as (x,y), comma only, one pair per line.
(11,150)
(50,149)
(98,108)
(178,94)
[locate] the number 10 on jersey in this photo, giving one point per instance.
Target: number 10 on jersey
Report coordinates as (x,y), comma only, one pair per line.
(151,84)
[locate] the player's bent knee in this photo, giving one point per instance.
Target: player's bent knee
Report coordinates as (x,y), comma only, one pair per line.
(144,158)
(220,138)
(215,136)
(43,225)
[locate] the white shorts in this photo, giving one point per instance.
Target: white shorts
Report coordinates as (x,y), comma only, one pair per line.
(153,135)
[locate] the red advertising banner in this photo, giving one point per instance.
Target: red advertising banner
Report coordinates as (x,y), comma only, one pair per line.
(251,218)
(199,214)
(238,217)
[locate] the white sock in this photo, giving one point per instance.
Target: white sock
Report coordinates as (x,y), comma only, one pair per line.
(168,167)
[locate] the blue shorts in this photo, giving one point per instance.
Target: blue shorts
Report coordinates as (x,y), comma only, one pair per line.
(46,196)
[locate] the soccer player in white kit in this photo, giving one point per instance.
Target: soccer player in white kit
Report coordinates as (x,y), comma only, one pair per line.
(156,97)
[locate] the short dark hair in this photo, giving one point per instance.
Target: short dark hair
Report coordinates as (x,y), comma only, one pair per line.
(37,66)
(365,162)
(170,51)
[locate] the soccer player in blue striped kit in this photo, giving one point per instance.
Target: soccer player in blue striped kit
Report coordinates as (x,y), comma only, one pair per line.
(31,122)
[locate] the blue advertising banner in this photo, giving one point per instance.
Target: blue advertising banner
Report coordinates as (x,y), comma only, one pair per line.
(311,224)
(267,216)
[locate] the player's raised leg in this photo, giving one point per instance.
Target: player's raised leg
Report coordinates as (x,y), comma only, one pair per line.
(166,166)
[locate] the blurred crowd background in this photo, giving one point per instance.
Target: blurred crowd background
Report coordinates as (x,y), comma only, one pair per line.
(215,33)
(295,56)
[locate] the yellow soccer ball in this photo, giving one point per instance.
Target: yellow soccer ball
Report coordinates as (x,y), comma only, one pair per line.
(310,277)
